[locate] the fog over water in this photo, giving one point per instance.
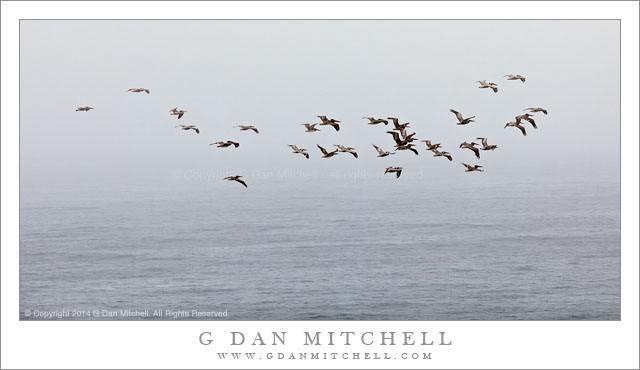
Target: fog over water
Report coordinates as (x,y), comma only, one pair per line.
(121,210)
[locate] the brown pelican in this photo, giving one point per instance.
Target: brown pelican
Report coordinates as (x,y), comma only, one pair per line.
(189,127)
(402,138)
(472,147)
(311,127)
(437,153)
(431,146)
(375,121)
(331,122)
(236,178)
(245,128)
(484,84)
(526,117)
(471,168)
(486,146)
(382,153)
(177,112)
(534,110)
(139,89)
(326,154)
(407,147)
(343,149)
(300,151)
(462,121)
(83,109)
(516,124)
(515,77)
(225,144)
(397,170)
(397,125)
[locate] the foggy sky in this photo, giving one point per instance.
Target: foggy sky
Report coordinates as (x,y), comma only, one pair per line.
(277,75)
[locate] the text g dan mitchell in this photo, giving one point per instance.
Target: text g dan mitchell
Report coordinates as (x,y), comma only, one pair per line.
(329,338)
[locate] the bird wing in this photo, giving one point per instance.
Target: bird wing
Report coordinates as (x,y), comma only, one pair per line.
(398,173)
(196,130)
(476,151)
(180,115)
(396,137)
(395,121)
(524,132)
(458,115)
(380,151)
(323,150)
(255,130)
(242,182)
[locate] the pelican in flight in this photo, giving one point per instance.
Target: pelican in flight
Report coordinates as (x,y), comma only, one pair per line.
(138,89)
(299,151)
(344,149)
(471,168)
(526,117)
(225,144)
(83,109)
(397,125)
(431,146)
(538,109)
(462,121)
(402,139)
(330,122)
(177,112)
(326,154)
(516,124)
(397,170)
(236,178)
(311,127)
(375,121)
(437,153)
(486,146)
(245,128)
(382,153)
(515,77)
(484,85)
(189,127)
(472,147)
(408,146)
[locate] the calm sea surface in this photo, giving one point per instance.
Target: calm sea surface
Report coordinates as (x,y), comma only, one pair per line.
(326,250)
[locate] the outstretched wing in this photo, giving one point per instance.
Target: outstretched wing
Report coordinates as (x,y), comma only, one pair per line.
(380,151)
(458,115)
(396,137)
(323,150)
(476,151)
(524,132)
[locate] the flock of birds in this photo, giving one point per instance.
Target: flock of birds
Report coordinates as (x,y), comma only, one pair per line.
(403,140)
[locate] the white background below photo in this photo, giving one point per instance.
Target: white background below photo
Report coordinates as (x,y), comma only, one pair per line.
(483,344)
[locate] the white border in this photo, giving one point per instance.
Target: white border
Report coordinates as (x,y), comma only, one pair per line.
(174,344)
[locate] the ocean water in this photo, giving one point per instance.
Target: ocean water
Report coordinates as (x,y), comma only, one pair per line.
(383,249)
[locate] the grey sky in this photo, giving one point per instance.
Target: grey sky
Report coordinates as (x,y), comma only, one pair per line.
(277,75)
